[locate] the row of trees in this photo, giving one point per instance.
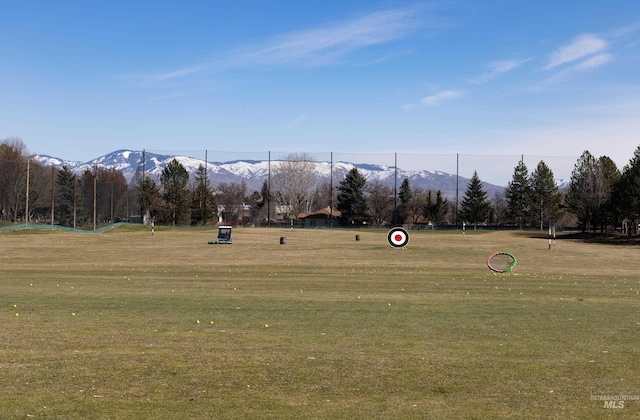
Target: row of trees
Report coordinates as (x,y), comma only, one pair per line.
(30,191)
(528,200)
(599,196)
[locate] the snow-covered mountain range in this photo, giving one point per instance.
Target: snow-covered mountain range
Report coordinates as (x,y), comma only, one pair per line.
(254,172)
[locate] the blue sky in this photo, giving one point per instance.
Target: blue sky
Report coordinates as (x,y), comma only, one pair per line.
(80,79)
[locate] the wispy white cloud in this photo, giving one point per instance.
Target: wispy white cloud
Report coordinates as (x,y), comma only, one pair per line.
(625,30)
(587,64)
(592,62)
(310,47)
(582,46)
(497,68)
(326,44)
(182,72)
(296,122)
(440,97)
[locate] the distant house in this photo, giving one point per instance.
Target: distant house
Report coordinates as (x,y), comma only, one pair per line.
(325,217)
(233,214)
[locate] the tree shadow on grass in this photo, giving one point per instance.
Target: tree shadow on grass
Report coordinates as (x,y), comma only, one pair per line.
(609,238)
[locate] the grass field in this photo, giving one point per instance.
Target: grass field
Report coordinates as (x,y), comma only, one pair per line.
(126,325)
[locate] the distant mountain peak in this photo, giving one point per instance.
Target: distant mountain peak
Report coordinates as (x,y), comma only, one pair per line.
(255,172)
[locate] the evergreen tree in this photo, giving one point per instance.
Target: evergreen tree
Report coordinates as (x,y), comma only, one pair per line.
(611,177)
(174,181)
(592,183)
(351,201)
(64,196)
(405,195)
(436,211)
(475,207)
(518,194)
(84,203)
(627,189)
(545,198)
(265,194)
(580,187)
(149,196)
(203,203)
(266,212)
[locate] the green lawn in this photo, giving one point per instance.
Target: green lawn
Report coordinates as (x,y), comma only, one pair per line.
(126,325)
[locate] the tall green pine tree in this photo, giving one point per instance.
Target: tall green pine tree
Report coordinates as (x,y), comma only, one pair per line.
(579,197)
(65,197)
(518,194)
(351,201)
(545,198)
(203,203)
(174,180)
(436,211)
(610,178)
(405,195)
(475,207)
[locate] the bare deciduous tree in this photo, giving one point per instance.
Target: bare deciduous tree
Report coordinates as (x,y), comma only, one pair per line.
(380,202)
(416,204)
(231,198)
(294,183)
(591,188)
(13,178)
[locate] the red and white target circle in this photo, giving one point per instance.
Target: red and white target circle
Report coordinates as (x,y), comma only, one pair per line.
(398,237)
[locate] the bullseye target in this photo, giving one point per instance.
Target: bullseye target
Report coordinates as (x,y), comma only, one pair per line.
(398,237)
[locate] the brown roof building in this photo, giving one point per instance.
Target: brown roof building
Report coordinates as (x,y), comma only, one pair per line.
(325,217)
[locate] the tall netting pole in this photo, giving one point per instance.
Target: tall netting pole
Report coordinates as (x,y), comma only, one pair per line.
(75,201)
(457,186)
(26,206)
(269,193)
(206,185)
(94,203)
(53,172)
(395,190)
(331,192)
